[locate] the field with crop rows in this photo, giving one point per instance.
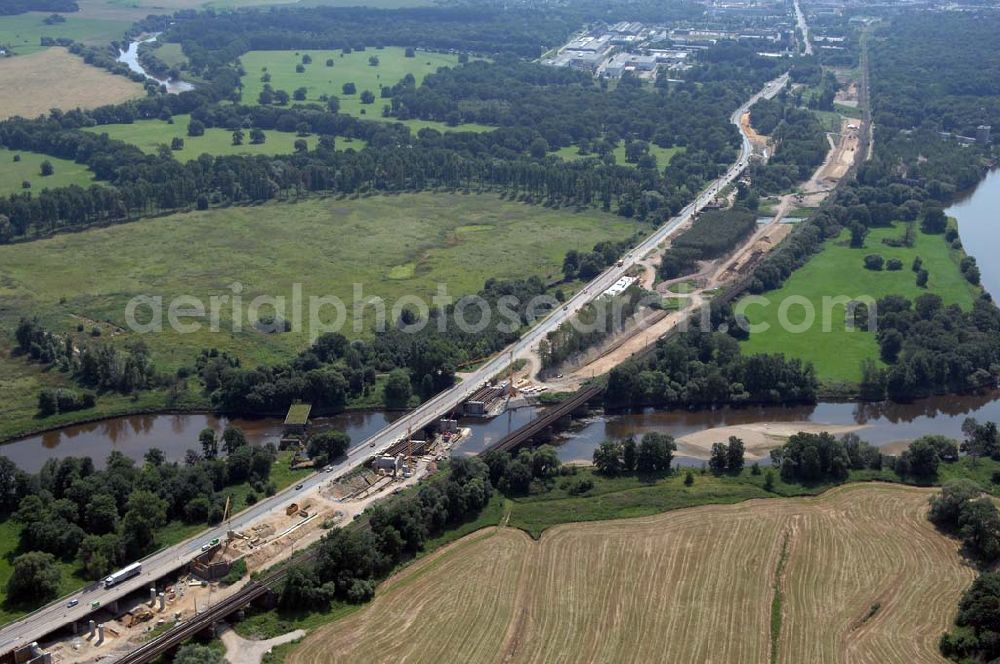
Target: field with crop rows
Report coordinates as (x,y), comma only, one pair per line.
(866,579)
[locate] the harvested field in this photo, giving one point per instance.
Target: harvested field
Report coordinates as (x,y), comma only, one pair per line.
(693,585)
(55,78)
(455,606)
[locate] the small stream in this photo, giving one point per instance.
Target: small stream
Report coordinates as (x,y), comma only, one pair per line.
(131,58)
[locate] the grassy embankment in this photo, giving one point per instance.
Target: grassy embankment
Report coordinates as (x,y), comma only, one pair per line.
(318,79)
(172,533)
(325,244)
(149,135)
(838,270)
(14,173)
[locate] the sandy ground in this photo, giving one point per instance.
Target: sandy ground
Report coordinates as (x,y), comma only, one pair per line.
(759,438)
(55,78)
(646,329)
(245,651)
(283,536)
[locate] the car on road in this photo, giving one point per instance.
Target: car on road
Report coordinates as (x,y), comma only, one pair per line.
(328,469)
(298,487)
(73,602)
(95,604)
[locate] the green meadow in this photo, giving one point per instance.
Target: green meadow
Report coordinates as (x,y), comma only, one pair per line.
(149,135)
(318,79)
(390,246)
(663,155)
(23,32)
(14,173)
(838,270)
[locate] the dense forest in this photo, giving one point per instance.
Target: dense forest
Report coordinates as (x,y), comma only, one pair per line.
(698,368)
(513,158)
(964,510)
(912,175)
(713,234)
(921,80)
(101,519)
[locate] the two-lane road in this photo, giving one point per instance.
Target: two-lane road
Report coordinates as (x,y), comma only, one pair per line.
(50,618)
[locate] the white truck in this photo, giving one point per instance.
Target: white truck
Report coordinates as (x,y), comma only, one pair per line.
(125,573)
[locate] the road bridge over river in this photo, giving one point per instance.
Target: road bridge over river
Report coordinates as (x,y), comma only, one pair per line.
(57,615)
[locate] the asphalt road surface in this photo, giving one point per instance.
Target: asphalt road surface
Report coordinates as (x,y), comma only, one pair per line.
(57,614)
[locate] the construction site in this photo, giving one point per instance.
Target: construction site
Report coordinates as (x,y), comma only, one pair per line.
(721,277)
(225,565)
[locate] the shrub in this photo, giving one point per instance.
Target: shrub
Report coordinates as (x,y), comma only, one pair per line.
(874,262)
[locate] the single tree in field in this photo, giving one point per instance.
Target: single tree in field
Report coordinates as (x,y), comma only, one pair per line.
(257,136)
(720,456)
(209,443)
(398,390)
(349,88)
(35,578)
(196,128)
(233,439)
(238,136)
(373,61)
(734,455)
(367,97)
(47,168)
(608,458)
(630,452)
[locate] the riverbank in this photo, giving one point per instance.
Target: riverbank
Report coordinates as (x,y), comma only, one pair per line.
(887,425)
(131,58)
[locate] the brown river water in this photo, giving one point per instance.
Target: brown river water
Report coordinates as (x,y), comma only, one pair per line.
(884,423)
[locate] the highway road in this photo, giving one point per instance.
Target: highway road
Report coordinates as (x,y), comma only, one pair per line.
(53,616)
(800,17)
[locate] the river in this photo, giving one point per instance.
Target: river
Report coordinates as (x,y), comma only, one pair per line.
(131,58)
(978,214)
(881,424)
